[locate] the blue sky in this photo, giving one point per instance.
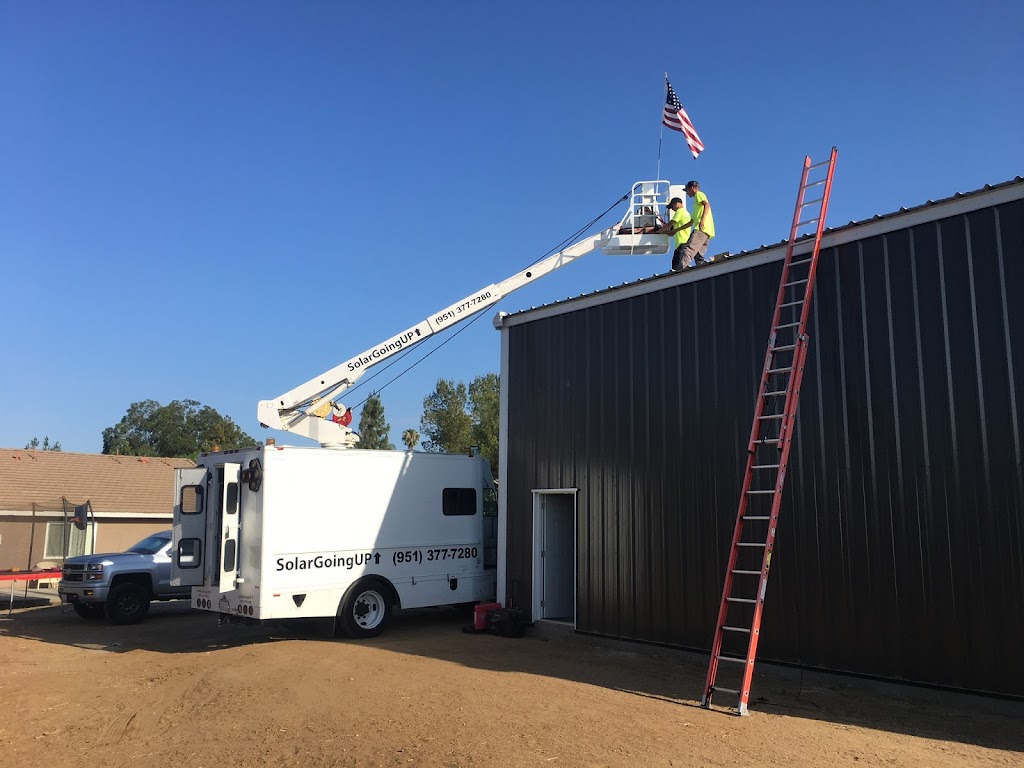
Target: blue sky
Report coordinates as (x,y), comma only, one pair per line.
(219,201)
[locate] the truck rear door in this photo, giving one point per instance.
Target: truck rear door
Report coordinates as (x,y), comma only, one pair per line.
(189,527)
(229,551)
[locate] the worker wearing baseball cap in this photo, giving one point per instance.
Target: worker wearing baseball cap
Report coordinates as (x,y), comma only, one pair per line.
(679,227)
(703,226)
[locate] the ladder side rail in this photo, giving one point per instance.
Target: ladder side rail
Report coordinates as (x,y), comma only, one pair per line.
(792,400)
(812,274)
(723,607)
(796,382)
(809,291)
(776,316)
(748,473)
(762,387)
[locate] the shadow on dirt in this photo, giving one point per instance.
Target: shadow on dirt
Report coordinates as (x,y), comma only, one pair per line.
(550,650)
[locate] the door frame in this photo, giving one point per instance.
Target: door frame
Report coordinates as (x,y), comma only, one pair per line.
(537,579)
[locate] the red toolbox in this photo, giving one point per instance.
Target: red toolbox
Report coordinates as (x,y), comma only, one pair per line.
(480,615)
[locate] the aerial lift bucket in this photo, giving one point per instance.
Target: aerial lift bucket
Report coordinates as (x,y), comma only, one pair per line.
(636,233)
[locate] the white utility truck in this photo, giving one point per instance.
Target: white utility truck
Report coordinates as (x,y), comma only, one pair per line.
(279,532)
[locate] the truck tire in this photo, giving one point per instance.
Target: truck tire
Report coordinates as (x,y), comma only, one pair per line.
(365,610)
(127,603)
(88,610)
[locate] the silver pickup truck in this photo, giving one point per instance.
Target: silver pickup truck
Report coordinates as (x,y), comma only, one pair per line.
(121,585)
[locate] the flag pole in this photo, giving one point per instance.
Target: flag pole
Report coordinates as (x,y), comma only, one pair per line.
(661,132)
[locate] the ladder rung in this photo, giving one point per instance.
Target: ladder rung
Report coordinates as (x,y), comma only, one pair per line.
(740,600)
(773,371)
(716,689)
(746,573)
(814,183)
(765,466)
(786,325)
(755,517)
(738,629)
(732,659)
(773,416)
(812,202)
(750,544)
(785,348)
(822,164)
(798,263)
(806,221)
(780,393)
(770,490)
(774,440)
(796,282)
(792,304)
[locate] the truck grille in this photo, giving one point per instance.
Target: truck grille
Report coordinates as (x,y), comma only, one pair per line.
(73,572)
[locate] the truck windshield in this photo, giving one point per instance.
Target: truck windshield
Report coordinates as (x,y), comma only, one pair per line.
(150,545)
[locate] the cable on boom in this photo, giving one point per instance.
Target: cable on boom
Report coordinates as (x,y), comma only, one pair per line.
(563,244)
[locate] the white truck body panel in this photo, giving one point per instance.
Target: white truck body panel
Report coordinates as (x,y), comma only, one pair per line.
(321,519)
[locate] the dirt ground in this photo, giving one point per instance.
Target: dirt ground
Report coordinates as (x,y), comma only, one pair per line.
(180,690)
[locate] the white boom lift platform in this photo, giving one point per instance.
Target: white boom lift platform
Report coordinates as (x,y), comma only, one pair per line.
(278,532)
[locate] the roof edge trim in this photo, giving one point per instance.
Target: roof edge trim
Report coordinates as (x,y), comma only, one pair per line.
(943,209)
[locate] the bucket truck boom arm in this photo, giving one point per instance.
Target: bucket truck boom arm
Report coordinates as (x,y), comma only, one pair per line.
(311,409)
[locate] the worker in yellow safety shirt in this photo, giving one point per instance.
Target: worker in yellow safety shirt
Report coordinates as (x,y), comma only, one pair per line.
(703,226)
(679,227)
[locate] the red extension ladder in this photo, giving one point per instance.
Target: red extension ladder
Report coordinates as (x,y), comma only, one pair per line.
(746,576)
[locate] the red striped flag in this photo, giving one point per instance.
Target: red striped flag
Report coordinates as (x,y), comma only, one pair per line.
(675,117)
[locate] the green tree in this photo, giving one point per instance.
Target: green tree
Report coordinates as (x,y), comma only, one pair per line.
(410,437)
(445,423)
(34,445)
(484,407)
(182,428)
(373,427)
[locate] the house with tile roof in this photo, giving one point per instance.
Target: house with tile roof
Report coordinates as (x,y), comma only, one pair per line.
(129,497)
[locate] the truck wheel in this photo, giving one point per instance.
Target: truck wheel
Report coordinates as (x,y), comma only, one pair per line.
(88,610)
(127,604)
(365,611)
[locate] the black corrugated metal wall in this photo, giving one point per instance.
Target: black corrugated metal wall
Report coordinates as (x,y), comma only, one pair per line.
(901,542)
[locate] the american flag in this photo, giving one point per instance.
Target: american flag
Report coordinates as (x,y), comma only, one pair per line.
(675,117)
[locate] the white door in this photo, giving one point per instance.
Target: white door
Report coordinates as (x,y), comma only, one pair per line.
(229,550)
(187,567)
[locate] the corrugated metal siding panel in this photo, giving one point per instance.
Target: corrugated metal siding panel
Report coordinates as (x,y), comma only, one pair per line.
(901,547)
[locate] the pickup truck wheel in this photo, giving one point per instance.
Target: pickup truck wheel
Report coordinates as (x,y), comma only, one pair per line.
(88,610)
(127,604)
(365,611)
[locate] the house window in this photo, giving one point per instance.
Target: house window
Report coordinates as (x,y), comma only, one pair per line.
(458,501)
(67,540)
